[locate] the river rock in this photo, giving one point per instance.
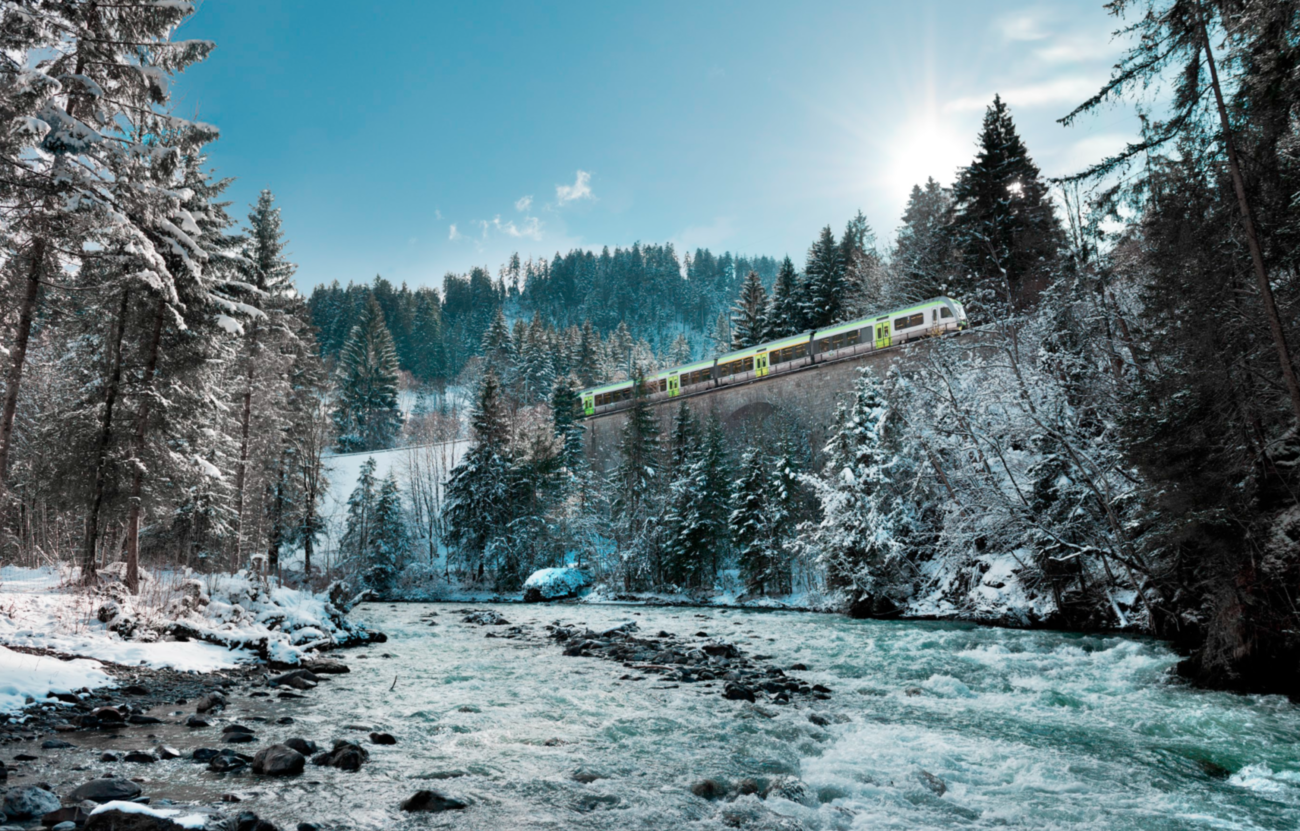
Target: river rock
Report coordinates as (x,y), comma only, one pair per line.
(197,721)
(105,790)
(819,719)
(107,716)
(236,728)
(298,679)
(433,802)
(238,738)
(165,752)
(304,746)
(29,802)
(345,755)
(55,744)
(75,814)
(325,666)
(934,783)
(139,719)
(228,761)
(794,790)
(736,692)
(139,757)
(710,789)
(383,738)
(485,618)
(204,755)
(555,584)
(278,760)
(209,701)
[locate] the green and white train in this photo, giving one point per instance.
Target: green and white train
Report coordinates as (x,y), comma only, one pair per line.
(898,326)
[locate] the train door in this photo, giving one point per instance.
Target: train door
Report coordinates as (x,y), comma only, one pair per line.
(589,404)
(674,385)
(882,334)
(760,364)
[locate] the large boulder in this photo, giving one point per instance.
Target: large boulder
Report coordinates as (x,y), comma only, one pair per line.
(29,802)
(278,760)
(129,816)
(555,584)
(105,790)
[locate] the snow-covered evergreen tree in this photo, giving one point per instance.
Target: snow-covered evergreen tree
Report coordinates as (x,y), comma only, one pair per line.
(749,315)
(366,414)
(784,313)
(478,506)
(822,293)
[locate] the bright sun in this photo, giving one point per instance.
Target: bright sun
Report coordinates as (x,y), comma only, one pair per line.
(922,148)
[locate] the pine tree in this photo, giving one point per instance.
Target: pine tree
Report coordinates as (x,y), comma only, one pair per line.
(390,538)
(565,409)
(721,334)
(857,538)
(680,351)
(589,362)
(748,316)
(367,416)
(1004,224)
(688,535)
(923,255)
(822,292)
(359,528)
(478,506)
(636,489)
(784,314)
(757,548)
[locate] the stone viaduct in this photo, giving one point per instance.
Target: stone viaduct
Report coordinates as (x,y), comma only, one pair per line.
(801,401)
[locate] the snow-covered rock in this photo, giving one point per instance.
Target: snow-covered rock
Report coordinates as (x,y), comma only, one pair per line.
(554,584)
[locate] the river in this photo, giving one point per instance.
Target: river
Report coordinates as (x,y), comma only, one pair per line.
(1032,730)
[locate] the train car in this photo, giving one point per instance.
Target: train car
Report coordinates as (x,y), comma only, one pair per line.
(930,318)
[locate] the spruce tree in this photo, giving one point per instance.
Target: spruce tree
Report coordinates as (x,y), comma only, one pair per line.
(359,525)
(390,538)
(688,535)
(1004,224)
(366,415)
(478,506)
(565,410)
(784,314)
(822,293)
(757,549)
(748,316)
(923,254)
(680,351)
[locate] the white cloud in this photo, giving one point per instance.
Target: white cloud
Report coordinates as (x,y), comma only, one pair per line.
(523,203)
(454,233)
(1065,91)
(1022,26)
(437,214)
(530,229)
(580,189)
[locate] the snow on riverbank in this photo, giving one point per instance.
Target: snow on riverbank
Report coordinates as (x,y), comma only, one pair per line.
(24,677)
(186,622)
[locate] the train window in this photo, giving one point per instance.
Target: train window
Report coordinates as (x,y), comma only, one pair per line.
(944,311)
(901,323)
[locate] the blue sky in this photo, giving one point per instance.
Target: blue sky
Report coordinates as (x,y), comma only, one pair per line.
(412,138)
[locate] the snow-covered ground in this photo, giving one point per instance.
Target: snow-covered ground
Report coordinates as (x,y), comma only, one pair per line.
(181,621)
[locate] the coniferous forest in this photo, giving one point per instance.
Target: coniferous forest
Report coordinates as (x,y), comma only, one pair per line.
(1115,445)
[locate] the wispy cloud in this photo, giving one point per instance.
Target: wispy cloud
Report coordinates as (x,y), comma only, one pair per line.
(580,189)
(531,228)
(523,203)
(1024,25)
(454,235)
(1064,91)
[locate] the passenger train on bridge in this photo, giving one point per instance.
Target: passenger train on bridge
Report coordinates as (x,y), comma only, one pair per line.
(923,320)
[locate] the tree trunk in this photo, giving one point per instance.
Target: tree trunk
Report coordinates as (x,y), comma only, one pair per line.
(101,449)
(137,450)
(277,519)
(241,478)
(18,353)
(1252,239)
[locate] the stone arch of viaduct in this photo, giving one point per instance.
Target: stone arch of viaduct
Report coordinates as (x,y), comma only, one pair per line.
(807,396)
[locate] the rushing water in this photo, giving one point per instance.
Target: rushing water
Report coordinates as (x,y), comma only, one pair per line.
(1033,730)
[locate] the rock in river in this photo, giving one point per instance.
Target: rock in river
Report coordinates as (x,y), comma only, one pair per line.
(278,760)
(433,801)
(105,790)
(555,584)
(29,802)
(345,755)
